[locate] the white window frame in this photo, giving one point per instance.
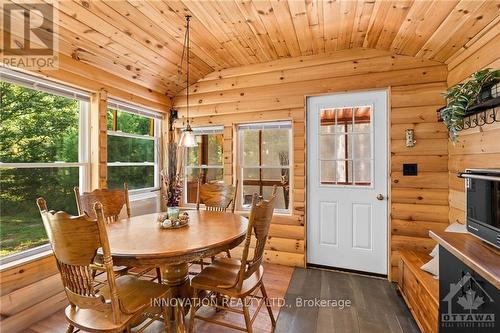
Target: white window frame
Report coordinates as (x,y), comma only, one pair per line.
(156,117)
(207,130)
(83,164)
(281,124)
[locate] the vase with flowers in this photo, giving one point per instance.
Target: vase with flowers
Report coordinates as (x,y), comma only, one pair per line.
(172,178)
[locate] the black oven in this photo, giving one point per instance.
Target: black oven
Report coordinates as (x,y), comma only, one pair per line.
(483,203)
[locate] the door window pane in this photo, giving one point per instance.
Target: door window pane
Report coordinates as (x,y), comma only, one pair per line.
(345,146)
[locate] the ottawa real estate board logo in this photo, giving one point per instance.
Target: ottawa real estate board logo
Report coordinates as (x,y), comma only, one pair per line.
(468,306)
(29,35)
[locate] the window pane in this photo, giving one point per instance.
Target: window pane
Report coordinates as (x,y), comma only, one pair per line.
(130,123)
(282,196)
(208,152)
(266,147)
(362,146)
(123,149)
(275,147)
(136,176)
(261,181)
(362,118)
(37,126)
(327,172)
(21,226)
(250,143)
(362,173)
(207,175)
(215,143)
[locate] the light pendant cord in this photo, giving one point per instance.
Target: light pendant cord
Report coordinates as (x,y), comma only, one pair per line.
(188,17)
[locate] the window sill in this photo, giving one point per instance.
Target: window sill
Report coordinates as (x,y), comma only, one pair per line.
(144,195)
(25,257)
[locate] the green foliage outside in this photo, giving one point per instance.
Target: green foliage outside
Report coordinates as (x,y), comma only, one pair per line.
(124,149)
(34,127)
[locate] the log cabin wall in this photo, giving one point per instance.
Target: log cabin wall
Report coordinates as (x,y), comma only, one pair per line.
(276,91)
(477,147)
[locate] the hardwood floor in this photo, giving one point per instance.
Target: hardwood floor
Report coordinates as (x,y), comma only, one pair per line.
(374,307)
(276,280)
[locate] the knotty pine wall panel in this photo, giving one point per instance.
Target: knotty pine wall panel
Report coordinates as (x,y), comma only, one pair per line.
(277,91)
(478,147)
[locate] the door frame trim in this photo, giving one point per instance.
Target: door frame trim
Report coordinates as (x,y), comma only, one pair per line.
(389,182)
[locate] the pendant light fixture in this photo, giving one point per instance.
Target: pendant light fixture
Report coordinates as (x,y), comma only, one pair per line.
(188,138)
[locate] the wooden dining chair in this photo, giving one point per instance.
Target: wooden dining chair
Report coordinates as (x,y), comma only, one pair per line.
(113,201)
(239,279)
(216,197)
(124,300)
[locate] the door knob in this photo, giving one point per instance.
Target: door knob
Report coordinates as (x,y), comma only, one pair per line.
(380,197)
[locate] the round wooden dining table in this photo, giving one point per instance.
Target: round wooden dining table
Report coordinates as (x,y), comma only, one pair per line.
(140,242)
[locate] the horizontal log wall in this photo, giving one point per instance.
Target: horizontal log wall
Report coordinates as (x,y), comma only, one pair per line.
(277,90)
(478,147)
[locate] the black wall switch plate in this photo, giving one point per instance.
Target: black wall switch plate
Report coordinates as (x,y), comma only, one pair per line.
(410,169)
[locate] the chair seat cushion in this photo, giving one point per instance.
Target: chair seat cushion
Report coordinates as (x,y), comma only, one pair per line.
(136,294)
(222,275)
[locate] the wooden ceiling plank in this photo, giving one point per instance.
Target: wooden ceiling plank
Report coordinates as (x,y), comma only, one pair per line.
(79,12)
(331,12)
(452,23)
(364,10)
(170,17)
(489,11)
(479,40)
(268,19)
(347,17)
(425,26)
(314,10)
(133,30)
(253,18)
(392,23)
(376,24)
(408,31)
(70,65)
(166,43)
(298,13)
(204,16)
(81,49)
(239,30)
(282,15)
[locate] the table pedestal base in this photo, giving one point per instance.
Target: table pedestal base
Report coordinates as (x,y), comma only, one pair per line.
(177,278)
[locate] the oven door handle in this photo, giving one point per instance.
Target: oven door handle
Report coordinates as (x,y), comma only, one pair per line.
(475,176)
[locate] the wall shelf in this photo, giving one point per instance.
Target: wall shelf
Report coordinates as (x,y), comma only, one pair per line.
(481,114)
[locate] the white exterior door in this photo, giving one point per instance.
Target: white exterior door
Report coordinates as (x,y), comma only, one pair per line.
(347,181)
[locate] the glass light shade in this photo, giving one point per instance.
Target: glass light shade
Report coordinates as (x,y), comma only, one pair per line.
(188,139)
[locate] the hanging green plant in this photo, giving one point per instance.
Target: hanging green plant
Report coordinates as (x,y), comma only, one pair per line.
(462,96)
